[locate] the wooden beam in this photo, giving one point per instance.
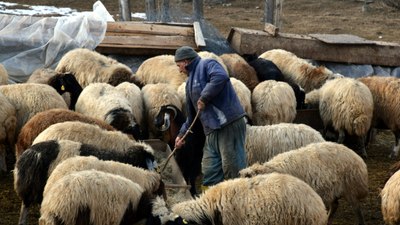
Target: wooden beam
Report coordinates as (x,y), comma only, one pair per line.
(198,35)
(149,40)
(149,28)
(246,41)
(137,49)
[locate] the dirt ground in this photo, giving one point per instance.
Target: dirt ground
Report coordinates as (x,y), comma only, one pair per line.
(299,16)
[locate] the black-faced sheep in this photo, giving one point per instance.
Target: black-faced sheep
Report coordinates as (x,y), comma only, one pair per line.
(150,181)
(273,102)
(240,69)
(8,121)
(3,75)
(43,120)
(267,70)
(94,197)
(386,113)
(298,70)
(154,97)
(107,103)
(66,83)
(264,142)
(278,199)
(347,106)
(89,67)
(188,158)
(331,169)
(159,69)
(390,200)
(37,162)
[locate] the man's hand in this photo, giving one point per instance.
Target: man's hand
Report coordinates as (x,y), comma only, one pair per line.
(200,105)
(179,142)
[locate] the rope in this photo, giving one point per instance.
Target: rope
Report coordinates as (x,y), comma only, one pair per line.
(183,138)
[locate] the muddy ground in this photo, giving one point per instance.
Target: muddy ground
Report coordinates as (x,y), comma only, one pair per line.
(299,16)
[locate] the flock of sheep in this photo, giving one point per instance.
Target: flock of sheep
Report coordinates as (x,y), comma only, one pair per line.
(75,136)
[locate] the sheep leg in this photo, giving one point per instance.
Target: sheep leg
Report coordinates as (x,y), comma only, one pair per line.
(332,210)
(23,214)
(395,151)
(359,214)
(341,137)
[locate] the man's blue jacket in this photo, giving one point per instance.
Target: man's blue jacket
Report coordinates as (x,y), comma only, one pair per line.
(209,82)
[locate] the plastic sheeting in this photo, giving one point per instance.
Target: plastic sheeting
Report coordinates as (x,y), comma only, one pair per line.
(28,43)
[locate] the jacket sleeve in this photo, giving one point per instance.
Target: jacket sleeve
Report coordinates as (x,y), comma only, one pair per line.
(217,78)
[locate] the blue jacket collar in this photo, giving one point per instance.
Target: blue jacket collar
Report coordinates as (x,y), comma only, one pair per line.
(192,65)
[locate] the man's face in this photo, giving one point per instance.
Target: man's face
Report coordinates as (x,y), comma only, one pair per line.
(182,66)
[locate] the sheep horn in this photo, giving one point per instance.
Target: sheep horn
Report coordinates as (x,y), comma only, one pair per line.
(173,109)
(167,122)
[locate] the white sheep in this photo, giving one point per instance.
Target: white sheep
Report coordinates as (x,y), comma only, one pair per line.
(244,95)
(134,95)
(273,102)
(347,106)
(37,163)
(90,66)
(94,197)
(8,125)
(264,142)
(106,102)
(150,181)
(385,92)
(240,69)
(159,69)
(331,169)
(43,120)
(298,70)
(3,75)
(211,55)
(390,200)
(154,97)
(182,96)
(278,199)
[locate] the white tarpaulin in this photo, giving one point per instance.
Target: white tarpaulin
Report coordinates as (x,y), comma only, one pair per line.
(28,43)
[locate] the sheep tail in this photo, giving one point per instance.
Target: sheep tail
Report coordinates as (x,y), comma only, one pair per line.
(361,125)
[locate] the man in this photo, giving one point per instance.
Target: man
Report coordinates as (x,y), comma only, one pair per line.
(209,90)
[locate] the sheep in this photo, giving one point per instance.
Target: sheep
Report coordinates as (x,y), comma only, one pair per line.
(42,76)
(385,94)
(240,69)
(210,55)
(331,169)
(390,200)
(150,181)
(3,75)
(273,102)
(182,96)
(298,70)
(267,70)
(66,83)
(189,157)
(93,197)
(159,69)
(30,99)
(90,66)
(347,106)
(278,199)
(264,142)
(43,120)
(106,102)
(244,95)
(37,163)
(154,97)
(86,133)
(8,121)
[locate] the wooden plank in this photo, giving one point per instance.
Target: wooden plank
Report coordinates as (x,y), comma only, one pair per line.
(136,49)
(246,41)
(149,28)
(198,35)
(341,39)
(149,40)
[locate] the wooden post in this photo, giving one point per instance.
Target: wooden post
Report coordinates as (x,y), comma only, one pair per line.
(272,12)
(165,16)
(198,10)
(151,13)
(125,10)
